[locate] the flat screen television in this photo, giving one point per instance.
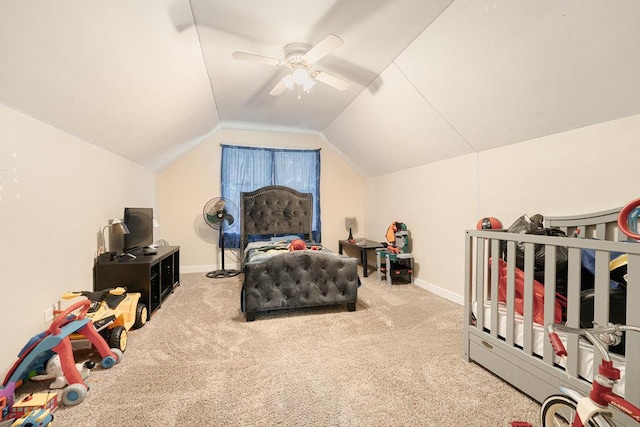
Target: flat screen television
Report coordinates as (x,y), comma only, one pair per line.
(139,221)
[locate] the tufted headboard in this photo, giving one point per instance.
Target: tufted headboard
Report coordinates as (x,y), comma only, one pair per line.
(275,210)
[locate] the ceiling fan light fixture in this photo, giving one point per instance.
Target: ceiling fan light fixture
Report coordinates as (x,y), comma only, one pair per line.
(288,81)
(308,85)
(299,58)
(300,76)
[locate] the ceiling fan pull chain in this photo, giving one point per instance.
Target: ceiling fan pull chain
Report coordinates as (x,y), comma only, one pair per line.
(299,97)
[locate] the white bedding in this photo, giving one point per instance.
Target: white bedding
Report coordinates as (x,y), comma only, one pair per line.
(585,362)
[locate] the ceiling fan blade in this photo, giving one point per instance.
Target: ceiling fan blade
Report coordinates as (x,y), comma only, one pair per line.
(325,47)
(278,89)
(255,58)
(331,80)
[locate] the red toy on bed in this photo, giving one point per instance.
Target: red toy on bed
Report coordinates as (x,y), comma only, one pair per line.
(300,245)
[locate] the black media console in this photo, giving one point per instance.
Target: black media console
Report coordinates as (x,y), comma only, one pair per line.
(154,276)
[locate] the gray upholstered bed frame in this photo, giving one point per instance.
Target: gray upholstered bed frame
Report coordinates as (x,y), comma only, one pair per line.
(294,279)
(275,210)
(537,374)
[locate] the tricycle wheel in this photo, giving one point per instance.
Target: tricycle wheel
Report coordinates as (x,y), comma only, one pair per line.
(74,394)
(118,338)
(141,316)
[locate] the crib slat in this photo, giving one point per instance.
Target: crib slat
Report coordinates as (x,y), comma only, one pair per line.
(468,287)
(480,280)
(495,265)
(573,307)
(601,309)
(529,253)
(632,369)
(511,284)
(549,297)
(601,300)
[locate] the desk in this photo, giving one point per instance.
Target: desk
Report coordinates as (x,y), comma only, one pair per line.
(364,249)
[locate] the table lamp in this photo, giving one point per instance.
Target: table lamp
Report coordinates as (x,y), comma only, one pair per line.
(350,222)
(116,226)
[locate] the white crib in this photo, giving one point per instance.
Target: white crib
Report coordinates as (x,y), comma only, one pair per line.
(512,345)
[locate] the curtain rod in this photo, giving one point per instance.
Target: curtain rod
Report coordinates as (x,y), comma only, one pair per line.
(270,148)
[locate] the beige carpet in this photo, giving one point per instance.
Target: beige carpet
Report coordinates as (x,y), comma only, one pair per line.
(396,361)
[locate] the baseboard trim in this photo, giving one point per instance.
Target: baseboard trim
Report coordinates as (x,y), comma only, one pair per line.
(453,297)
(205,268)
(196,268)
(458,299)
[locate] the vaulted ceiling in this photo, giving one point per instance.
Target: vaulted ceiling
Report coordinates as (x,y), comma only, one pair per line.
(430,80)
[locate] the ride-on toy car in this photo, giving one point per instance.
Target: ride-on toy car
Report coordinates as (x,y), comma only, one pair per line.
(56,339)
(113,312)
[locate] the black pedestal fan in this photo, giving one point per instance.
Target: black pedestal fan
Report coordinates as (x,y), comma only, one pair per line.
(220,214)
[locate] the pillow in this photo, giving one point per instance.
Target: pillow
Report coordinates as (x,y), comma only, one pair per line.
(285,239)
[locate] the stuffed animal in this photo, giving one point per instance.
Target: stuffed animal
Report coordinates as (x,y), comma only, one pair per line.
(297,245)
(300,245)
(54,368)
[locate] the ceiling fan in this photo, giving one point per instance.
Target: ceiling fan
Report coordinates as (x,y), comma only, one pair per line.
(300,58)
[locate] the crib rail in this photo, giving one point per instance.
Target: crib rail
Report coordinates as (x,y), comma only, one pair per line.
(481,287)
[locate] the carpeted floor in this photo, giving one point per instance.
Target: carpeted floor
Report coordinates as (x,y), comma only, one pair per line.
(396,361)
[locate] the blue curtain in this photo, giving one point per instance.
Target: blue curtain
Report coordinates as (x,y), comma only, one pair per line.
(249,168)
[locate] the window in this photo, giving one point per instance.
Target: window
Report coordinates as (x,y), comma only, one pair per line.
(249,168)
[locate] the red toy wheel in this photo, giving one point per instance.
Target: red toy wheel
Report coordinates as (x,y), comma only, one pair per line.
(62,318)
(623,219)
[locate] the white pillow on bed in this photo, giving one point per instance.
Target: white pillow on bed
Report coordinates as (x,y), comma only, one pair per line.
(284,239)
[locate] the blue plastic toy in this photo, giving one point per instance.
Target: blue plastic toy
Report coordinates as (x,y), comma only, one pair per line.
(56,339)
(38,417)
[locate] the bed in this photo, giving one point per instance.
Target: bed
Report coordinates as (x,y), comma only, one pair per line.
(511,344)
(276,278)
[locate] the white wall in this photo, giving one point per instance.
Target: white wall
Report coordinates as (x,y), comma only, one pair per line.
(436,202)
(191,181)
(580,171)
(56,193)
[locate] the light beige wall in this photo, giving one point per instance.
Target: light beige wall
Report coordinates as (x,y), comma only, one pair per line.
(581,171)
(435,202)
(56,193)
(190,182)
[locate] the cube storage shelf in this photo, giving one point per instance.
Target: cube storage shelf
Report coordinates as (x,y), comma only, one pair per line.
(154,276)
